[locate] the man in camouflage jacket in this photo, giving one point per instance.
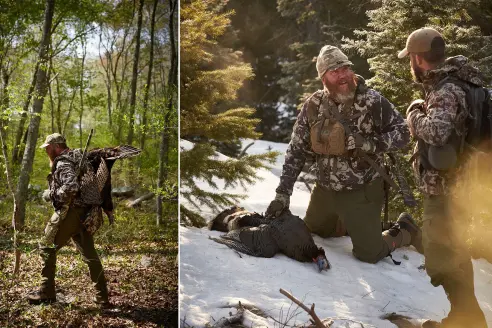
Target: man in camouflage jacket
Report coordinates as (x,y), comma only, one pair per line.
(347,186)
(72,205)
(439,120)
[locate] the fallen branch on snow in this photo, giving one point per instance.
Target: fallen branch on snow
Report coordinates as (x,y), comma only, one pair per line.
(311,312)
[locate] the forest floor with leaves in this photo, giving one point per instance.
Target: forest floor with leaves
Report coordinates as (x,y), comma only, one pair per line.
(139,260)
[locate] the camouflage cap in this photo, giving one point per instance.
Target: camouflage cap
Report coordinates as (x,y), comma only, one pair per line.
(330,58)
(420,40)
(54,138)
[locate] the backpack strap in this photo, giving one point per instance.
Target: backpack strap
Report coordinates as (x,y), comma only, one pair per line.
(316,100)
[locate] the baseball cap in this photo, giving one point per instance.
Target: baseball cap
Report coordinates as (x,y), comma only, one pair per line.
(420,41)
(54,138)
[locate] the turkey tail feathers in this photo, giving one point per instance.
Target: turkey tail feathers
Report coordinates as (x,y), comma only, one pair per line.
(124,151)
(235,245)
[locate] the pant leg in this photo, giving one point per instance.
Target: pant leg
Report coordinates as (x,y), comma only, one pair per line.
(321,217)
(361,212)
(85,245)
(447,260)
(66,228)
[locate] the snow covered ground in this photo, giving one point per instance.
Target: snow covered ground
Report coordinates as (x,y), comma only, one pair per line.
(213,278)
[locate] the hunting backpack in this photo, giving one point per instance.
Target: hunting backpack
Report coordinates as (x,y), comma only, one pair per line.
(478,132)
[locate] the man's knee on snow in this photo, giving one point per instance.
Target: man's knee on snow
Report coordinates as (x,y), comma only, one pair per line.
(367,257)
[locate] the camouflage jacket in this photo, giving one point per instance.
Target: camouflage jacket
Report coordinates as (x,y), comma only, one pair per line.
(66,188)
(344,172)
(445,112)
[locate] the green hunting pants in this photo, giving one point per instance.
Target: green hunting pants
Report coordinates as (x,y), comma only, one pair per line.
(447,260)
(71,227)
(360,210)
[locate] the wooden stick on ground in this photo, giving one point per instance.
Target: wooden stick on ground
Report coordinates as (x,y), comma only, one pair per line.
(311,312)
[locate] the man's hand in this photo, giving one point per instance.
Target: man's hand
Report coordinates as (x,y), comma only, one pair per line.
(367,146)
(110,216)
(416,104)
(278,205)
(351,142)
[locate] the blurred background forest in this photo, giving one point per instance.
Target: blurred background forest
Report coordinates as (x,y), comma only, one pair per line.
(69,67)
(247,65)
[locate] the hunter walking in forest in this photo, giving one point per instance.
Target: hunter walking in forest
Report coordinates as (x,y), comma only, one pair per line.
(345,129)
(440,121)
(74,202)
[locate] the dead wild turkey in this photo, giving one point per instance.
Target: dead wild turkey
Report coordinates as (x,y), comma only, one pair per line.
(253,234)
(109,154)
(102,161)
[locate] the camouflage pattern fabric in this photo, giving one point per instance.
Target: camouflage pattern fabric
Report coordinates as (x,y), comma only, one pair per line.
(445,111)
(64,183)
(330,58)
(344,172)
(52,226)
(66,191)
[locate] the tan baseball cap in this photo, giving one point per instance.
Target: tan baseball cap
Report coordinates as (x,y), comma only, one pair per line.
(54,138)
(420,41)
(330,58)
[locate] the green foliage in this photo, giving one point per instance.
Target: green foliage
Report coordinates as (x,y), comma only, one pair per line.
(380,44)
(211,75)
(263,35)
(122,248)
(319,23)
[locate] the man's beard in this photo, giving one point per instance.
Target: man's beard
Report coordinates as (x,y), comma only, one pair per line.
(417,72)
(339,95)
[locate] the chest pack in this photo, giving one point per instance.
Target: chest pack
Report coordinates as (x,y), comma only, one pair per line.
(477,136)
(327,133)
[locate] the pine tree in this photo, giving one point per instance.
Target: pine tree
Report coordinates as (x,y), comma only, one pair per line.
(211,74)
(319,23)
(387,31)
(264,36)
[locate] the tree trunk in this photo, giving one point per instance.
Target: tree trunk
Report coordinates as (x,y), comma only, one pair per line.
(84,52)
(10,184)
(133,95)
(171,87)
(18,149)
(58,103)
(5,101)
(149,78)
(50,93)
(107,80)
(70,109)
(33,129)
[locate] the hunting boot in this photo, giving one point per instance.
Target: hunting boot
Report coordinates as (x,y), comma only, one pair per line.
(406,222)
(99,281)
(405,232)
(46,293)
(101,298)
(465,310)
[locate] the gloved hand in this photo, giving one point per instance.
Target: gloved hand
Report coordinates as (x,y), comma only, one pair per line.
(46,195)
(416,104)
(278,205)
(367,145)
(351,142)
